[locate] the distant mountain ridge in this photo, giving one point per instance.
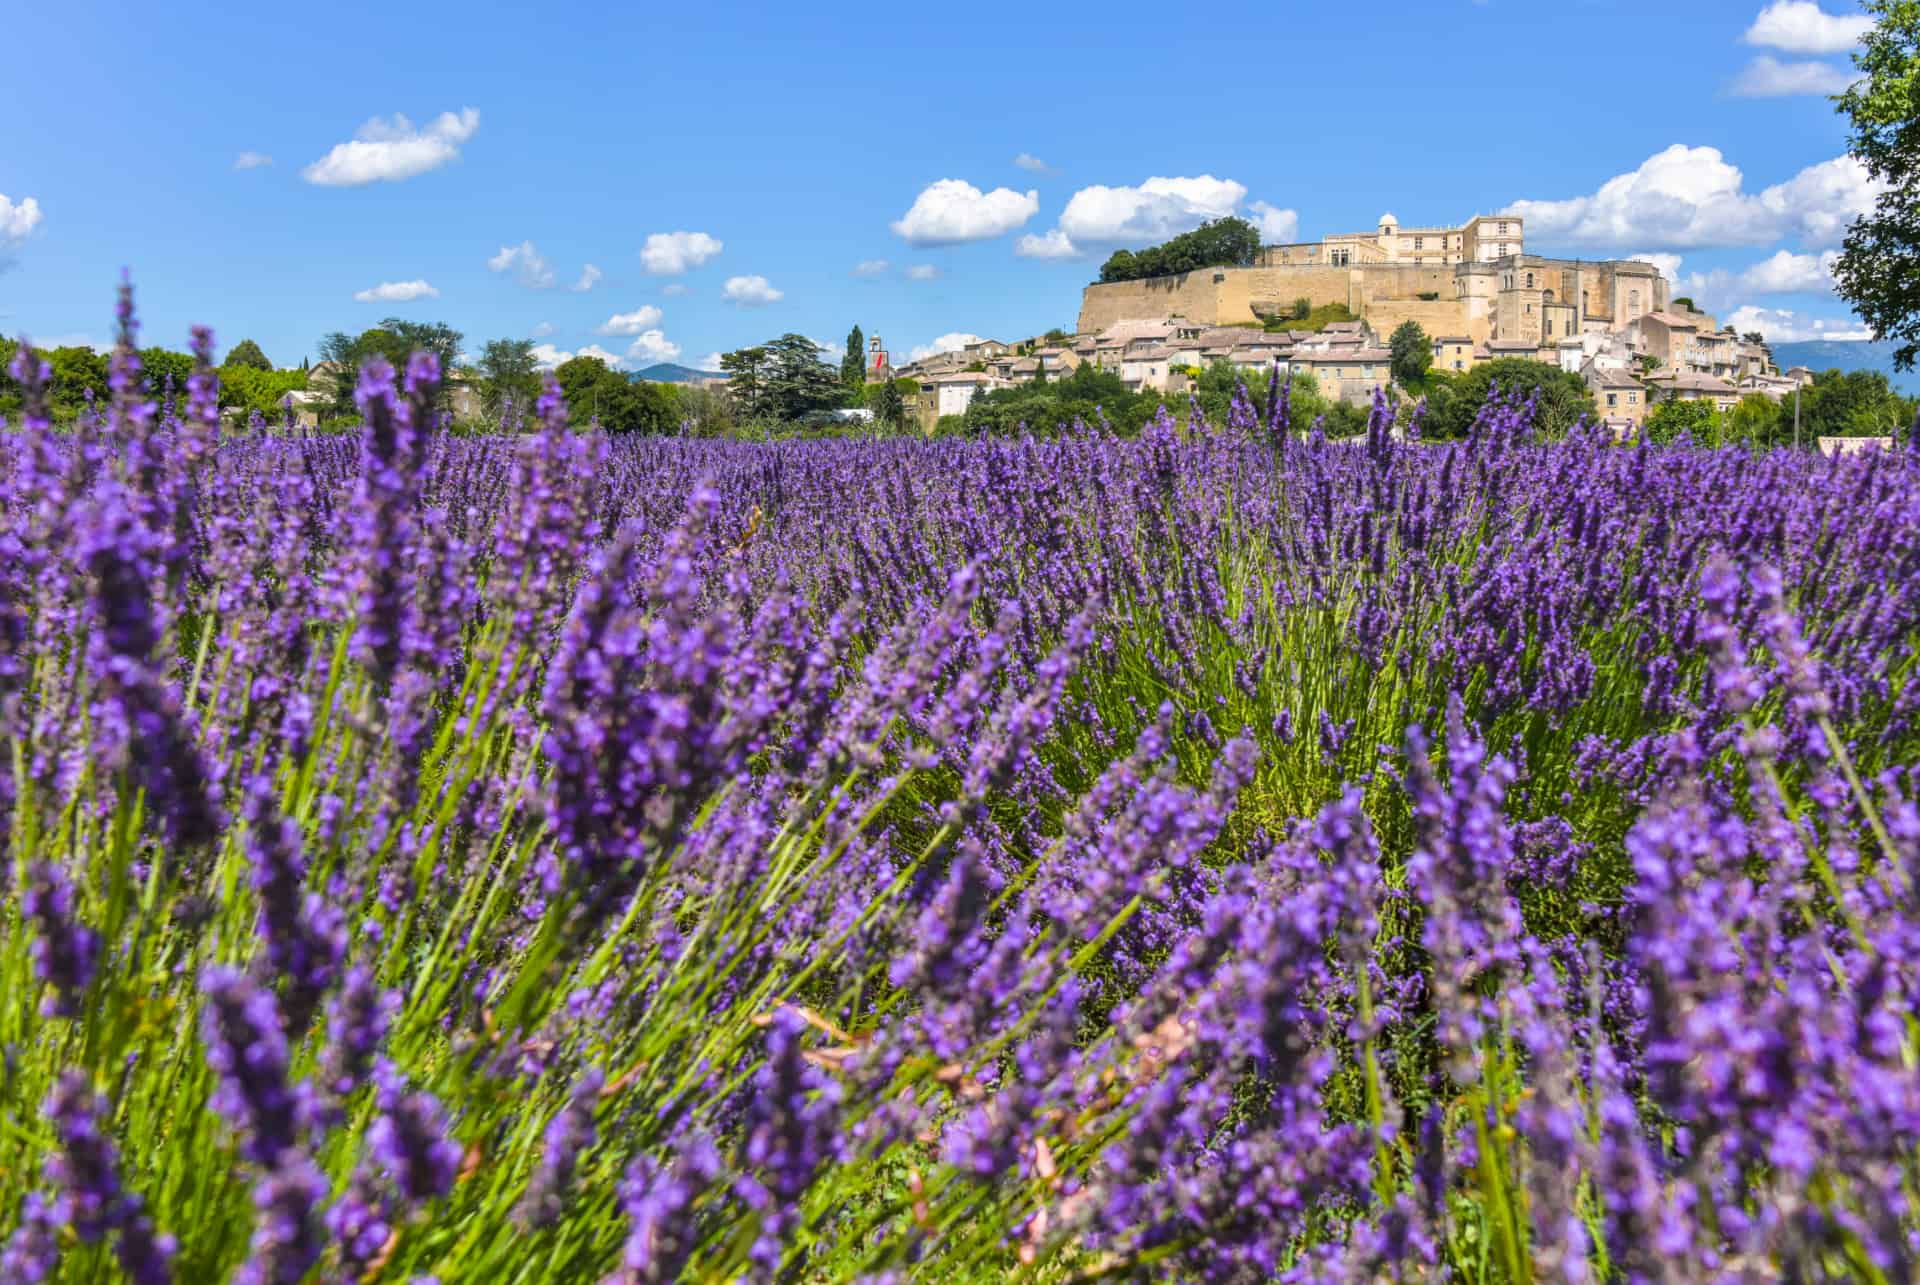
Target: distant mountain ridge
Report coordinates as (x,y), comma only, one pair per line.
(668,372)
(1846,354)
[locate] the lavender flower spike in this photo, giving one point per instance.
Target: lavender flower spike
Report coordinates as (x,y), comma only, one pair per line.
(64,949)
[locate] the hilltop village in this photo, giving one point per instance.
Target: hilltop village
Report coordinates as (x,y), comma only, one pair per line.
(1327,308)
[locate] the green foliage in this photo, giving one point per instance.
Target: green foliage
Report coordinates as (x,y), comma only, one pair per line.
(1879,267)
(1055,335)
(1048,408)
(1227,242)
(1851,403)
(1344,419)
(247,389)
(950,426)
(247,353)
(1427,296)
(76,372)
(166,371)
(596,392)
(508,373)
(1563,397)
(1302,308)
(782,379)
(1755,421)
(1412,352)
(704,411)
(1672,421)
(853,363)
(394,339)
(1315,319)
(1683,303)
(890,408)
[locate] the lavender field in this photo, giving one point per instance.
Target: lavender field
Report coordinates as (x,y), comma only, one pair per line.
(1218,856)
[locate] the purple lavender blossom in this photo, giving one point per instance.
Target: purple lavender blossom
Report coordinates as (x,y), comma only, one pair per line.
(246,1047)
(305,936)
(568,1134)
(64,948)
(659,1201)
(33,1251)
(409,1139)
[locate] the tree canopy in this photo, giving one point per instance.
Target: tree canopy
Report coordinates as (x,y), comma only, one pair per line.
(394,339)
(1412,352)
(1879,267)
(853,362)
(247,353)
(596,392)
(1217,243)
(508,372)
(782,379)
(1563,397)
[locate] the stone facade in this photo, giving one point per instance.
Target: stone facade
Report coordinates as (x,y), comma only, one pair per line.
(1515,297)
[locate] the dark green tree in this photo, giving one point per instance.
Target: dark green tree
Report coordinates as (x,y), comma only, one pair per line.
(797,381)
(891,408)
(1563,397)
(165,370)
(247,353)
(1879,267)
(1695,420)
(394,339)
(747,374)
(853,362)
(508,372)
(76,372)
(1217,243)
(1412,352)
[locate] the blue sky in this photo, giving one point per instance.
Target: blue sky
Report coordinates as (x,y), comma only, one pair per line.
(734,172)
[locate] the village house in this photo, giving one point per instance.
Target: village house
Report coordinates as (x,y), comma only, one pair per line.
(1453,353)
(1617,394)
(1691,386)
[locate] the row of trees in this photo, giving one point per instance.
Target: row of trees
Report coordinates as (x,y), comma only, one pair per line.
(1217,243)
(248,381)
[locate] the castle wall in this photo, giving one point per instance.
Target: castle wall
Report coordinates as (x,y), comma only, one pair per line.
(1440,318)
(1193,295)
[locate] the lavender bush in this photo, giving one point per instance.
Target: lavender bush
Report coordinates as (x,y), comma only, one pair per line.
(1221,855)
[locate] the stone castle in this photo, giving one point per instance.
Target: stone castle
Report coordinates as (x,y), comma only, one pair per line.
(1475,282)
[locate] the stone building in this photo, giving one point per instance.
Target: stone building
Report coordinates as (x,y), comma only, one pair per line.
(1474,281)
(1481,239)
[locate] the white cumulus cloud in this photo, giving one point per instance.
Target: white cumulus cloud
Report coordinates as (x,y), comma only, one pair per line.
(1686,197)
(922,272)
(1275,225)
(952,210)
(870,267)
(251,160)
(1153,211)
(1028,161)
(589,278)
(1768,77)
(1784,272)
(1784,326)
(651,347)
(546,356)
(542,330)
(668,254)
(751,292)
(16,221)
(951,342)
(391,150)
(396,292)
(526,263)
(630,323)
(1053,244)
(709,362)
(1803,27)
